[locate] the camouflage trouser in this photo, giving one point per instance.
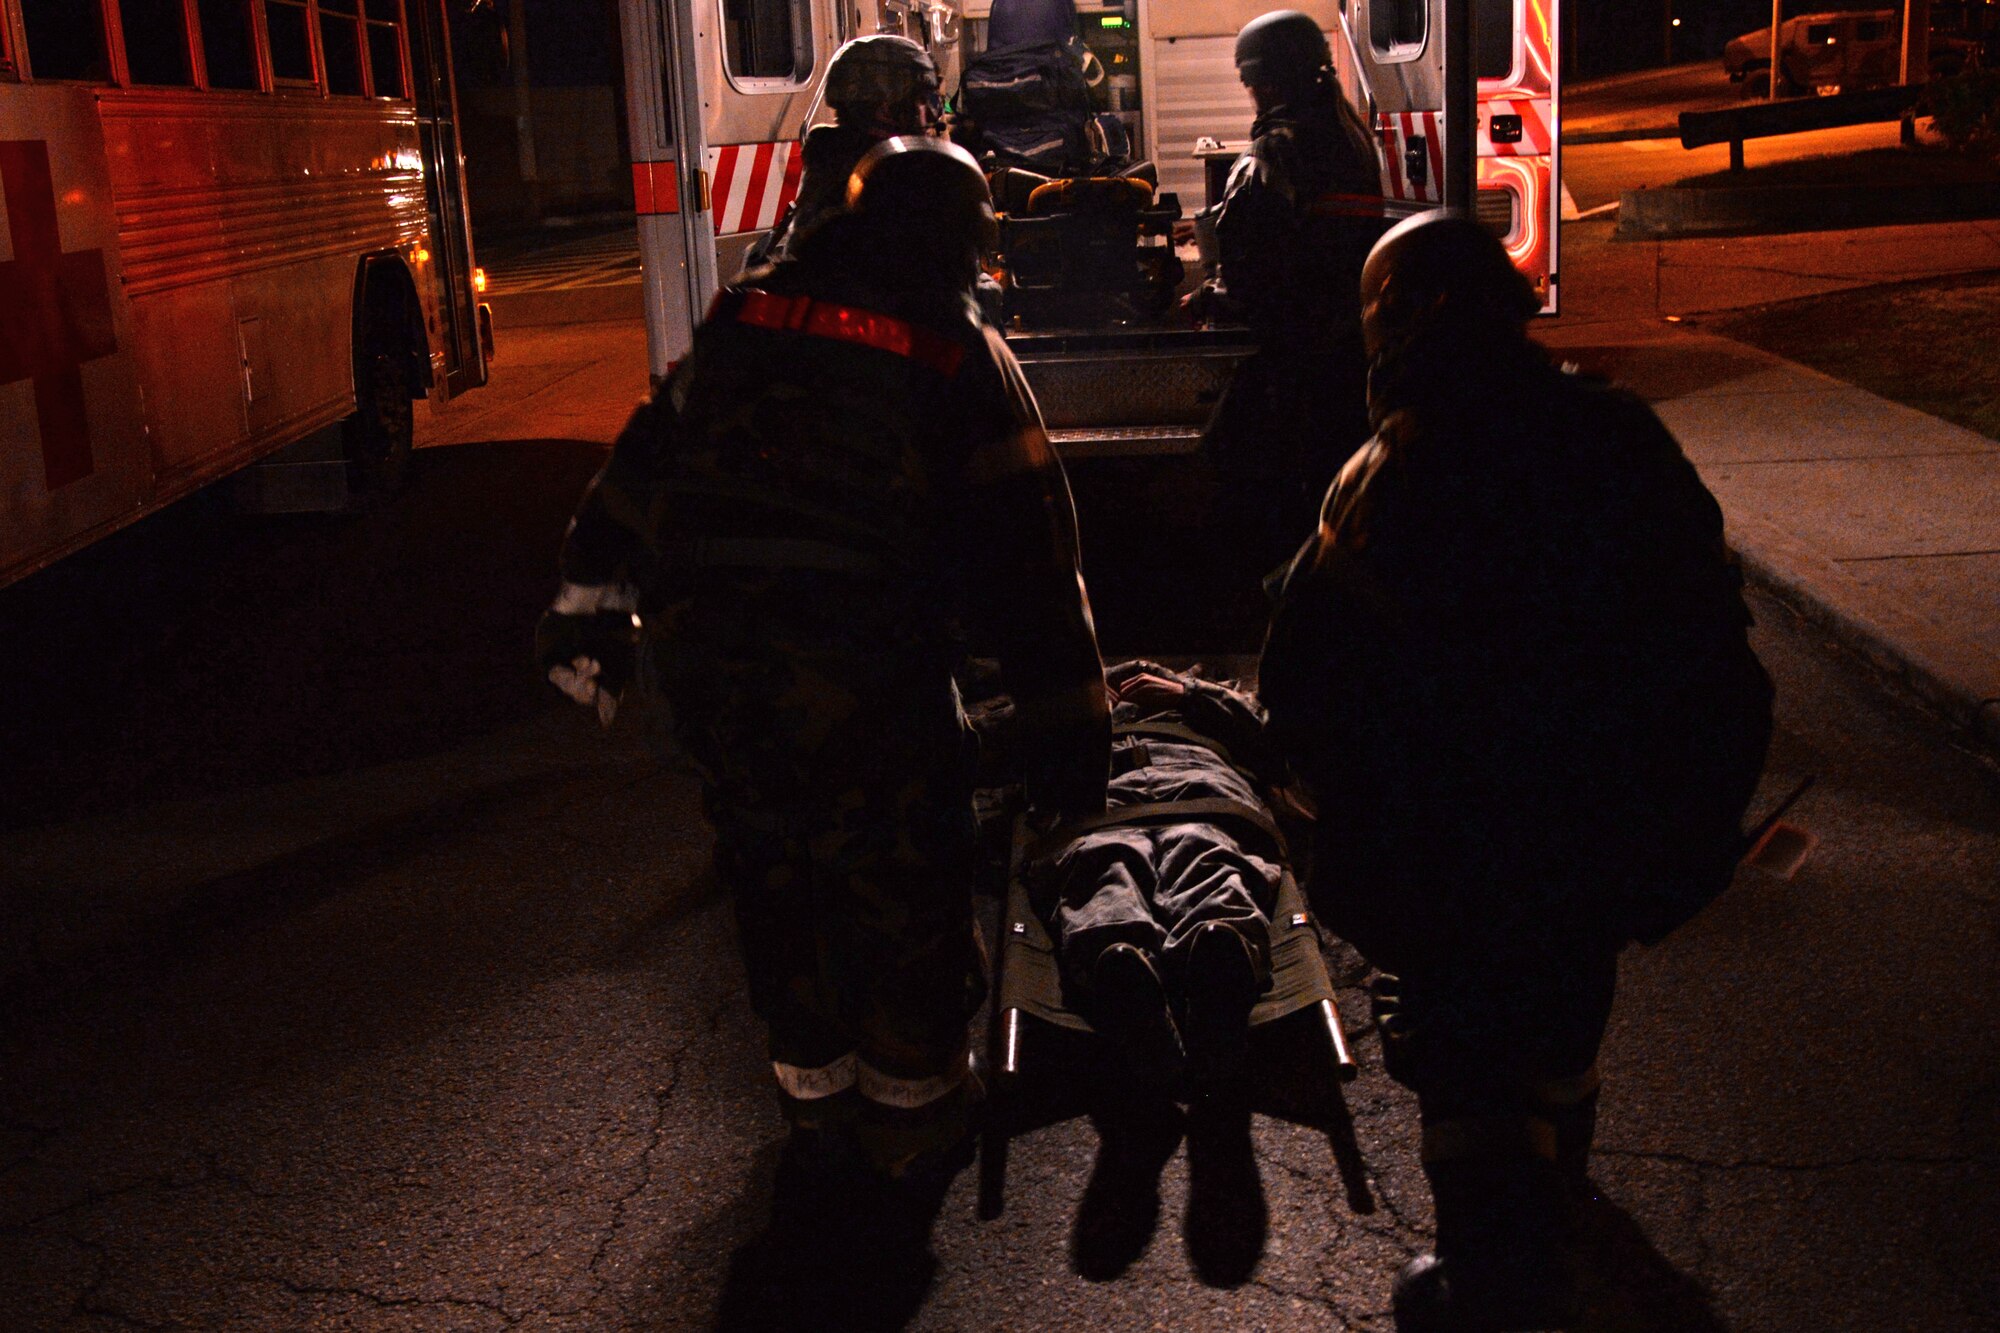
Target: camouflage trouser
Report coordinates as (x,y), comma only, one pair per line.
(839,775)
(856,927)
(1503,1061)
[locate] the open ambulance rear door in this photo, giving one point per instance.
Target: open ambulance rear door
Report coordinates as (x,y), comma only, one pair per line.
(716,93)
(1399,45)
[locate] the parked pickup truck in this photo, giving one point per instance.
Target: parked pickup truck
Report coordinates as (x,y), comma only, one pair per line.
(1833,53)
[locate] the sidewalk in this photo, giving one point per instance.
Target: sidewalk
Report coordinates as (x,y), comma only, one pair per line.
(1877,521)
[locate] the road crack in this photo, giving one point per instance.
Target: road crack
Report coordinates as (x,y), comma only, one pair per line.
(380,1301)
(1770,1164)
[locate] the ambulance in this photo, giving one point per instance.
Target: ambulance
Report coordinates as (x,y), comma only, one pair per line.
(721,93)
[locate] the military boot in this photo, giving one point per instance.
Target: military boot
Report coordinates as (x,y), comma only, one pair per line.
(1221,990)
(1128,1005)
(1503,1263)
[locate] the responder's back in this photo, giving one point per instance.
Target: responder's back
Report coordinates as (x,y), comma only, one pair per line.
(817,407)
(856,471)
(1518,640)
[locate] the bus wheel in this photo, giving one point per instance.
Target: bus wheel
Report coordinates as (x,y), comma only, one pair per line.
(378,435)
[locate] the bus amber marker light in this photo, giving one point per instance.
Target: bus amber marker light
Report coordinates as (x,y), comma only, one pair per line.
(479,281)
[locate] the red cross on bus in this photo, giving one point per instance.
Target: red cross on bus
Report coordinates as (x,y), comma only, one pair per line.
(55,312)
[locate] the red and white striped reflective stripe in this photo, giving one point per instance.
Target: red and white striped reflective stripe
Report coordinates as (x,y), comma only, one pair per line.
(1536,118)
(1399,131)
(751,183)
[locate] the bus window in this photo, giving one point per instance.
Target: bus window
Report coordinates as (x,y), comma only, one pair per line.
(291,41)
(768,39)
(1396,27)
(228,44)
(156,42)
(65,40)
(385,48)
(340,43)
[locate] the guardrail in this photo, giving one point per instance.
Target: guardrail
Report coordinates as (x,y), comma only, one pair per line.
(1764,119)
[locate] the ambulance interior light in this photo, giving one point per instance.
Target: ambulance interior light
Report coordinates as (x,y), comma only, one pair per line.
(1113,21)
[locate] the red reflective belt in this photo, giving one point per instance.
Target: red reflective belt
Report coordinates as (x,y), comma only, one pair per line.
(1346,206)
(823,319)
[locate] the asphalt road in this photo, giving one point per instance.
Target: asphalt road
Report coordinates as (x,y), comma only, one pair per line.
(1648,99)
(449,1032)
(1595,173)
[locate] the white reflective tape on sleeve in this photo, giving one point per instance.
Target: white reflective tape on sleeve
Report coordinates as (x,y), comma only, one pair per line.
(809,1085)
(907,1093)
(587,599)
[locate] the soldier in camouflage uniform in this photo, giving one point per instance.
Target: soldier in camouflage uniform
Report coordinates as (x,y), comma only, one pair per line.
(846,468)
(1302,208)
(1512,668)
(878,87)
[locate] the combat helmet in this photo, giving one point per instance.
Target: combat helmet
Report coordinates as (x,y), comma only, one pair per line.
(870,73)
(1282,49)
(929,188)
(1441,267)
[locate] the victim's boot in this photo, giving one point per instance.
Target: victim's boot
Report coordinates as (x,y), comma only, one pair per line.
(1128,1006)
(1222,987)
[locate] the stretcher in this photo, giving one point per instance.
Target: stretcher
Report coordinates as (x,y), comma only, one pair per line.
(1040,1059)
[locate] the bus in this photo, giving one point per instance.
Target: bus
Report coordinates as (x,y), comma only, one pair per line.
(720,92)
(232,228)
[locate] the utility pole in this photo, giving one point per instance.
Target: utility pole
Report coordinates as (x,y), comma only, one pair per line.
(1777,22)
(1461,108)
(1916,66)
(524,104)
(1916,41)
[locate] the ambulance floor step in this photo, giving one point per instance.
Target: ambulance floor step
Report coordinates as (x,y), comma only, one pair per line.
(1125,441)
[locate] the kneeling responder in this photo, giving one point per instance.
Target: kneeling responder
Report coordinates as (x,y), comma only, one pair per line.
(846,468)
(878,87)
(1302,207)
(1512,668)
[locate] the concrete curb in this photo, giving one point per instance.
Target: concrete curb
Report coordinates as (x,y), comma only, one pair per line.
(1659,214)
(1633,77)
(1575,137)
(1929,663)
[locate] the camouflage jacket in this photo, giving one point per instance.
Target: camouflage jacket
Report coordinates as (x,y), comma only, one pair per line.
(1301,211)
(1512,664)
(855,473)
(830,154)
